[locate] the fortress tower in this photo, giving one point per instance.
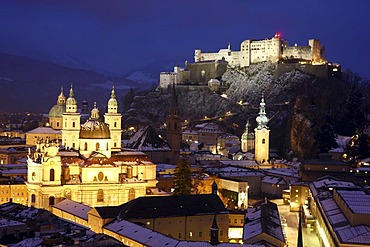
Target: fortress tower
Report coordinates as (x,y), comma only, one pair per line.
(262,134)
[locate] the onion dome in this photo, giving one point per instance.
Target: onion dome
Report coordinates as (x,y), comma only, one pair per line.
(58,109)
(61,98)
(262,119)
(71,99)
(112,102)
(94,128)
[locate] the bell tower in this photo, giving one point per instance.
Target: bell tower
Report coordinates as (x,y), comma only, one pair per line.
(71,123)
(247,140)
(262,134)
(173,123)
(113,119)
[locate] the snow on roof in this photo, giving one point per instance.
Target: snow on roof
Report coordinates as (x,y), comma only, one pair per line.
(263,218)
(44,130)
(273,180)
(14,171)
(77,209)
(283,171)
(7,222)
(357,200)
(243,163)
(29,242)
(140,234)
(355,234)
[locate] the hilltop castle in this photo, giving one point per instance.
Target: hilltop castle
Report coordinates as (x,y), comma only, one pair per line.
(273,50)
(209,66)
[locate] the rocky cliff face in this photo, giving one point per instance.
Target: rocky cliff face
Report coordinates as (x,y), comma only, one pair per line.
(299,105)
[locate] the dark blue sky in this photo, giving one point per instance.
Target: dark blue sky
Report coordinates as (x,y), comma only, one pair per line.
(117,36)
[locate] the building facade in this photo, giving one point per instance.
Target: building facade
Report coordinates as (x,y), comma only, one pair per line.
(90,169)
(273,50)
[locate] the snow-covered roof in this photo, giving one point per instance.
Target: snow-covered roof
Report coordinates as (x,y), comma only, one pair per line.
(7,222)
(44,130)
(357,200)
(77,209)
(14,171)
(263,218)
(273,180)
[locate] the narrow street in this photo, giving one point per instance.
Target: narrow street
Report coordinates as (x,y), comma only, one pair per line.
(290,229)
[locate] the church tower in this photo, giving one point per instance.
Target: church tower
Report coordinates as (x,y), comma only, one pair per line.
(262,133)
(71,123)
(173,123)
(247,139)
(44,175)
(56,112)
(113,119)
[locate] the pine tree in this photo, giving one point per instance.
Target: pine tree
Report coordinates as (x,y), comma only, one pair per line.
(182,181)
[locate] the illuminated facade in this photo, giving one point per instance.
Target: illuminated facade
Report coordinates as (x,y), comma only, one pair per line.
(262,134)
(88,170)
(273,50)
(247,140)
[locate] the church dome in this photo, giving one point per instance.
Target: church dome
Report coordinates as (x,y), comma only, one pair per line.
(94,128)
(57,111)
(71,99)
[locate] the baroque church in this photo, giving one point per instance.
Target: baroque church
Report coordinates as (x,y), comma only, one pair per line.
(89,166)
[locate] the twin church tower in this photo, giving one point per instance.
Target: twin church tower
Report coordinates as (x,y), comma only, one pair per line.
(94,135)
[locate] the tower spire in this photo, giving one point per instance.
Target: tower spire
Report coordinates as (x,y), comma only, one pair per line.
(262,119)
(61,97)
(95,112)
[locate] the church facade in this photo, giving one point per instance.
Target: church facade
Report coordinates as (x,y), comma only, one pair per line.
(90,167)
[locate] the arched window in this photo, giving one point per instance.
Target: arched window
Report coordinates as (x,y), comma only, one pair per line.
(85,147)
(57,124)
(263,141)
(107,146)
(73,124)
(131,194)
(52,173)
(115,144)
(33,198)
(51,200)
(100,196)
(97,146)
(115,124)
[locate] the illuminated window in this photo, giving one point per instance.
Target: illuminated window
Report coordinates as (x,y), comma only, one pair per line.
(190,234)
(100,196)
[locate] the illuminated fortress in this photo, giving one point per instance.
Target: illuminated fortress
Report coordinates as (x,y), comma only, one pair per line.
(274,50)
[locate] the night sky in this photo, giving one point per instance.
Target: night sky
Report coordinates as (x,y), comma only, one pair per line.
(118,36)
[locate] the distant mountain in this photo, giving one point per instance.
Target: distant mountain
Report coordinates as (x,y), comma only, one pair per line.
(32,85)
(149,73)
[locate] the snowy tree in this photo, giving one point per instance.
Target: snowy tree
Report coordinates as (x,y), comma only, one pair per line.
(182,182)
